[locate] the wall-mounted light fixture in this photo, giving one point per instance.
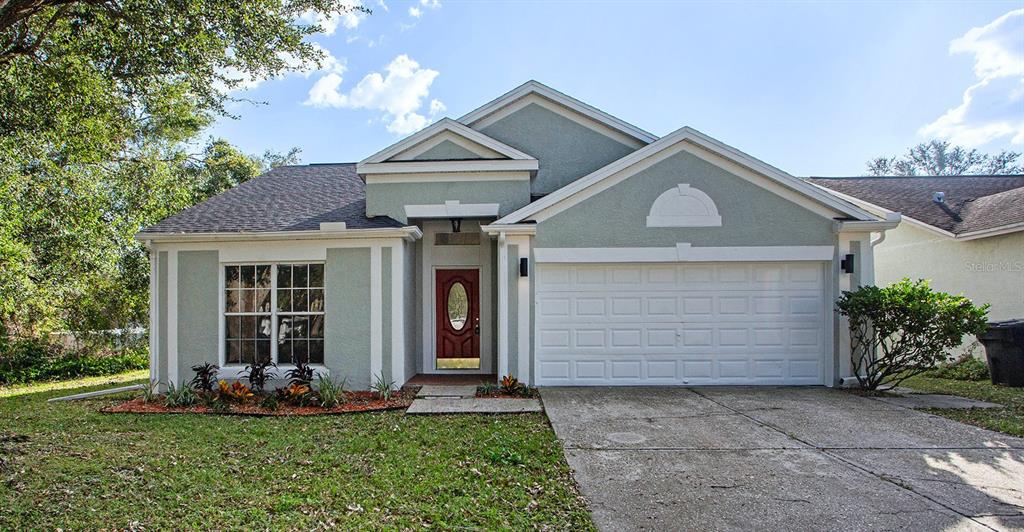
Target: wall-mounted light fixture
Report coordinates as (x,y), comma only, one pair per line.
(846,264)
(456,224)
(524,267)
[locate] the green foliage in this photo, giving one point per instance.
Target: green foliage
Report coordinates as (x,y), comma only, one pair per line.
(939,158)
(302,374)
(270,402)
(510,384)
(180,396)
(28,360)
(258,374)
(331,393)
(966,368)
(382,386)
(101,106)
(488,388)
(149,393)
(206,377)
(905,329)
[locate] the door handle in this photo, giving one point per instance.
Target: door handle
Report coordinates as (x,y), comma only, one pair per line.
(476,328)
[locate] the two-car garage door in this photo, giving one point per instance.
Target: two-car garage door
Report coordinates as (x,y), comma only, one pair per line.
(693,323)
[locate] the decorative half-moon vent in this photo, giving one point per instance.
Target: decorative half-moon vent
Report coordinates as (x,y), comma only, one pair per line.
(683,206)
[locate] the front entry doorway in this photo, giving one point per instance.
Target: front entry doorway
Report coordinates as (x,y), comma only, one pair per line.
(457,319)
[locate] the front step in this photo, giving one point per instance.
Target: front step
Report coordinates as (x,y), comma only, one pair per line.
(447,391)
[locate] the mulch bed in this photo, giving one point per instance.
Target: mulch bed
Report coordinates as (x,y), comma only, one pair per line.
(356,402)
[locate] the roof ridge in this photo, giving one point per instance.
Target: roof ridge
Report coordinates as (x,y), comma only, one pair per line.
(957,176)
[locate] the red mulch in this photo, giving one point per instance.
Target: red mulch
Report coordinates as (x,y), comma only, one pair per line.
(356,402)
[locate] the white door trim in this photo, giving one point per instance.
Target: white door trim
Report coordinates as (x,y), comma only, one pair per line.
(684,252)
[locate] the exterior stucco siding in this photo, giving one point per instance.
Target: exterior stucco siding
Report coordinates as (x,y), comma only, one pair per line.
(347,321)
(987,270)
(386,324)
(198,315)
(565,149)
(390,199)
(446,151)
(161,364)
(751,215)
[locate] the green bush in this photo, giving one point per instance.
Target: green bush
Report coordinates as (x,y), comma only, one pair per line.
(29,360)
(967,368)
(905,329)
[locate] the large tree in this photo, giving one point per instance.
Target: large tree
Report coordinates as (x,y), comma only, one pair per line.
(939,158)
(102,105)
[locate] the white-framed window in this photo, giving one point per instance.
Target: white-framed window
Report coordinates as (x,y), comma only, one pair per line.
(273,312)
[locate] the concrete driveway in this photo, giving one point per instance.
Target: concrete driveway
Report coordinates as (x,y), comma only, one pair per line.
(781,459)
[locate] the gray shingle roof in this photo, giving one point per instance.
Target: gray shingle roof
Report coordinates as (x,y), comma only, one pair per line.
(973,203)
(287,198)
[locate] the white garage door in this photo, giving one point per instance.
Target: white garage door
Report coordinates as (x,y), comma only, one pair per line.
(695,323)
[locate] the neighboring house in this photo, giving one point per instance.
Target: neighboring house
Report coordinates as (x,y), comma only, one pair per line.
(535,236)
(963,233)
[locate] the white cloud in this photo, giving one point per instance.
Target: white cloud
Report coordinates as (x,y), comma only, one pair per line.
(399,93)
(992,108)
(328,63)
(415,12)
(383,5)
(329,23)
(432,4)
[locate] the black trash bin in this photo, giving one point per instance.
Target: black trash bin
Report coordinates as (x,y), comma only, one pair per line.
(1004,349)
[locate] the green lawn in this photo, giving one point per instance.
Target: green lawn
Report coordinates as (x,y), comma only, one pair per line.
(1009,419)
(65,465)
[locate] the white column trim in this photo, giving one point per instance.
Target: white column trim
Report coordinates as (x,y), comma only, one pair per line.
(523,310)
(502,368)
(376,314)
(398,314)
(154,314)
(172,317)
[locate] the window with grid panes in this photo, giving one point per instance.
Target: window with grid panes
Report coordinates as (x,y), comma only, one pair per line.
(274,312)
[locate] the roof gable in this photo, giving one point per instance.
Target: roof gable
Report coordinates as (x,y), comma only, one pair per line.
(446,130)
(703,146)
(533,92)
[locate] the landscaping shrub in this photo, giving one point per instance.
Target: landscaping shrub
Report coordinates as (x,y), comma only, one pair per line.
(905,329)
(33,359)
(967,368)
(331,393)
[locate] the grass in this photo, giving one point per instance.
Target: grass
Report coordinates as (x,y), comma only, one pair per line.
(45,386)
(65,465)
(1009,419)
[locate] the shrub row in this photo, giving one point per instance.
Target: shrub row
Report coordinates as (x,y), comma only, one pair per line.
(29,360)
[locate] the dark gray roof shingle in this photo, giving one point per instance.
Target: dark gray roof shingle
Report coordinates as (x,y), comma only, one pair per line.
(287,198)
(973,203)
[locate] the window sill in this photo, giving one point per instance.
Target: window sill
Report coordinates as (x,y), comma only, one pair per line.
(236,372)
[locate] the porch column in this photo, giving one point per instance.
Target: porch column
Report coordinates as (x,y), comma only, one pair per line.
(503,296)
(522,319)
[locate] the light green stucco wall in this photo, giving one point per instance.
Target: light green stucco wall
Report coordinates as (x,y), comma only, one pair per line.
(347,321)
(446,151)
(987,270)
(513,311)
(198,313)
(565,149)
(751,215)
(161,291)
(390,199)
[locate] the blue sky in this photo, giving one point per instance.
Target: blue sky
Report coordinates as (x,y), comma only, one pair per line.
(813,88)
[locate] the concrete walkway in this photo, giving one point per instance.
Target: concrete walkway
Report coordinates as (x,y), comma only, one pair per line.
(461,399)
(782,458)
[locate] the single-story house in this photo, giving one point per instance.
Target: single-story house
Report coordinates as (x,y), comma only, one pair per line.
(963,233)
(536,236)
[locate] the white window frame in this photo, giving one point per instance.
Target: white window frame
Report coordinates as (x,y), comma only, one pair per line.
(235,370)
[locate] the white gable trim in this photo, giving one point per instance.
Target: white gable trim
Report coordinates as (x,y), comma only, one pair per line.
(668,211)
(481,151)
(696,143)
(533,92)
(449,125)
(468,165)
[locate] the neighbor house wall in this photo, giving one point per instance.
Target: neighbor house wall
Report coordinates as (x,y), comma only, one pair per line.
(565,149)
(751,215)
(390,199)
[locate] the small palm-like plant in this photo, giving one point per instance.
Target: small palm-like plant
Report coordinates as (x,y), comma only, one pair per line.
(510,384)
(258,375)
(180,395)
(331,393)
(302,374)
(149,392)
(236,391)
(383,387)
(206,377)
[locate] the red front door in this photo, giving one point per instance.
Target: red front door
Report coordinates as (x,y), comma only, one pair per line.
(457,314)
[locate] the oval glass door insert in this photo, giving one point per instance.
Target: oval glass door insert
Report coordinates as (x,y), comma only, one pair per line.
(458,306)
